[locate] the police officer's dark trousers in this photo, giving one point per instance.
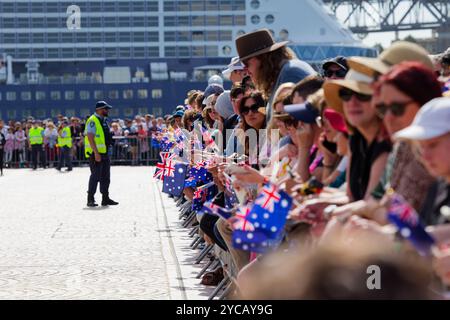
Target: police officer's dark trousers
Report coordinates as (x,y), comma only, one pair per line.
(37,150)
(100,173)
(65,156)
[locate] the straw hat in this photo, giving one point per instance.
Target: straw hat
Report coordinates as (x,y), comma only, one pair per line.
(400,51)
(356,81)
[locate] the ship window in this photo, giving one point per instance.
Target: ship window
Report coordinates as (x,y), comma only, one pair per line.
(183,6)
(153,36)
(82,37)
(52,22)
(226,20)
(157,93)
(270,18)
(23,37)
(212,36)
(95,6)
(110,22)
(97,52)
(138,21)
(143,110)
(95,37)
(142,93)
(197,5)
(113,94)
(183,21)
(109,6)
(40,113)
(55,95)
(225,5)
(53,53)
(126,36)
(124,6)
(98,95)
(40,95)
(95,22)
(212,51)
(85,112)
(211,20)
(85,95)
(22,7)
(198,20)
(184,36)
(170,51)
(239,5)
(128,94)
(169,36)
(157,111)
(226,50)
(67,52)
(25,95)
(67,37)
(11,114)
(21,23)
(69,95)
(255,4)
(114,112)
(153,6)
(110,37)
(128,112)
(198,51)
(153,21)
(7,7)
(138,36)
(153,51)
(169,6)
(38,53)
(11,96)
(169,21)
(9,37)
(26,113)
(125,52)
(255,19)
(70,113)
(183,51)
(226,35)
(52,37)
(37,7)
(284,35)
(37,23)
(212,5)
(138,6)
(52,7)
(124,21)
(199,36)
(55,112)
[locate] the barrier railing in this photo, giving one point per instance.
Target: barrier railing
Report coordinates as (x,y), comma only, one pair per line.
(131,150)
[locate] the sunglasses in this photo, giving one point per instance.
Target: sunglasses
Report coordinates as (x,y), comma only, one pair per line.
(347,94)
(396,108)
(338,73)
(254,108)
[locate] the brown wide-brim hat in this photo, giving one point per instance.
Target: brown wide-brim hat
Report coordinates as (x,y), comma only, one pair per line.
(400,51)
(354,81)
(256,43)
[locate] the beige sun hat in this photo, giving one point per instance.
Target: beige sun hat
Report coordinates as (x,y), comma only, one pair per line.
(354,80)
(400,51)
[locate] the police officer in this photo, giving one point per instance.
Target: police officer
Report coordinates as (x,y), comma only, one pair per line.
(36,138)
(65,145)
(97,142)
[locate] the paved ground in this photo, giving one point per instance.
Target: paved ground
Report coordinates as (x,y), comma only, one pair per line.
(54,247)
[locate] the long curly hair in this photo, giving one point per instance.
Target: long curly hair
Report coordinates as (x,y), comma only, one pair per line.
(271,64)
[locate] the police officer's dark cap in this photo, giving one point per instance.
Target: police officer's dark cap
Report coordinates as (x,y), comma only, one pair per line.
(102,105)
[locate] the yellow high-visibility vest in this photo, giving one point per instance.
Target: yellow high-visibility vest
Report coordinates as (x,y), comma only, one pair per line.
(67,140)
(35,135)
(99,138)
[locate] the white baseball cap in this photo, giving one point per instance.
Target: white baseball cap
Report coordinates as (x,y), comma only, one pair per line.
(432,121)
(234,65)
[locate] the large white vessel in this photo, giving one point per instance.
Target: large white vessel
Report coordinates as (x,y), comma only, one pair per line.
(142,55)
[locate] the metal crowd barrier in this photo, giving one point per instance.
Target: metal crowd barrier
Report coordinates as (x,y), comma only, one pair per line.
(126,151)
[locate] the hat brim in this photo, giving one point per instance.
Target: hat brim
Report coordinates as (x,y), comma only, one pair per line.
(331,92)
(301,112)
(273,47)
(104,107)
(327,64)
(415,132)
(368,66)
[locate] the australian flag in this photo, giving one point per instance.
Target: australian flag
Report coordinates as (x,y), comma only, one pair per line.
(203,194)
(174,185)
(210,208)
(402,215)
(260,227)
(200,173)
(166,145)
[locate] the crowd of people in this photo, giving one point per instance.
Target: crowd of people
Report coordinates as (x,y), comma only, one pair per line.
(306,181)
(132,140)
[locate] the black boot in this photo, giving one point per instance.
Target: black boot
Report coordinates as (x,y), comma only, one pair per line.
(106,201)
(91,201)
